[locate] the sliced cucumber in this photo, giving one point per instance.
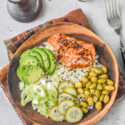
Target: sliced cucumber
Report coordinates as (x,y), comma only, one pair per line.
(55,114)
(52,58)
(34,54)
(73,114)
(64,85)
(65,96)
(29,60)
(64,105)
(70,90)
(44,56)
(33,75)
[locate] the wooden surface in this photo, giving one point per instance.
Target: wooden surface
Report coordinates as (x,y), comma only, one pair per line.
(106,57)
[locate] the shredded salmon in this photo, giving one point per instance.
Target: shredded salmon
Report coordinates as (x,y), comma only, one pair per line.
(75,53)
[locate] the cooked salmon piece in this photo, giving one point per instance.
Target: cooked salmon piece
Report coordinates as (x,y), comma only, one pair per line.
(75,53)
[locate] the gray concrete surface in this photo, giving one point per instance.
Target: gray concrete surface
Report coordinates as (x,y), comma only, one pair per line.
(96,14)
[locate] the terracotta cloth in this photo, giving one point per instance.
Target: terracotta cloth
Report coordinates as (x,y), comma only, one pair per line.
(14,43)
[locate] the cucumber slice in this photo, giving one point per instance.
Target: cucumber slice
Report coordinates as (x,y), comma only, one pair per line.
(44,56)
(33,75)
(73,114)
(34,54)
(55,114)
(70,90)
(20,72)
(29,60)
(64,105)
(64,85)
(52,58)
(65,96)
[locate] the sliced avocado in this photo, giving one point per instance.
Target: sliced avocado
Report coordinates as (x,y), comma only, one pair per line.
(33,74)
(45,57)
(52,68)
(34,54)
(29,60)
(20,70)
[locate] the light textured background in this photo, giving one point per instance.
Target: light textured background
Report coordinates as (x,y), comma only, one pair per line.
(96,14)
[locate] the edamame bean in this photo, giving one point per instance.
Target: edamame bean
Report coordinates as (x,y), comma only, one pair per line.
(78,84)
(85,110)
(106,99)
(87,93)
(80,90)
(92,91)
(83,96)
(109,88)
(99,87)
(88,84)
(90,101)
(84,79)
(98,71)
(83,84)
(84,104)
(87,73)
(94,79)
(94,68)
(97,93)
(110,82)
(98,105)
(101,98)
(105,92)
(104,76)
(92,74)
(95,99)
(93,86)
(101,81)
(104,85)
(104,68)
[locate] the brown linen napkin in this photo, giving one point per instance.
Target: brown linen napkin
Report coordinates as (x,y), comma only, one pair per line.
(14,43)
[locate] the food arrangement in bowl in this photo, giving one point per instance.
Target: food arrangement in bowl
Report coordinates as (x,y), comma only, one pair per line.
(63,79)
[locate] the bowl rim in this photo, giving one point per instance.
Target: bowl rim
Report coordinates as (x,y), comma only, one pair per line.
(108,106)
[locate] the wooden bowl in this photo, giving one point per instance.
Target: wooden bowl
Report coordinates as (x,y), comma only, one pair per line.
(106,57)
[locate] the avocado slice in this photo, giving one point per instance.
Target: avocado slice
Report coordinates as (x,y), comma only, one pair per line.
(45,57)
(52,68)
(20,70)
(34,54)
(29,60)
(33,74)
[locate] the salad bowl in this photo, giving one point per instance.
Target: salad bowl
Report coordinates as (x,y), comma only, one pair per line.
(106,57)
